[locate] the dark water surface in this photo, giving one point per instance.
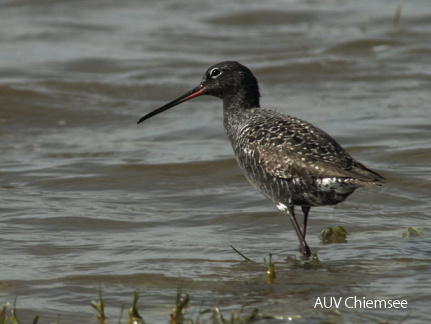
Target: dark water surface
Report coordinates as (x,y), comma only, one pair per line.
(89,199)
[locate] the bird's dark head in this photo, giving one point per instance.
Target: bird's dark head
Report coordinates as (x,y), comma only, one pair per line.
(232,82)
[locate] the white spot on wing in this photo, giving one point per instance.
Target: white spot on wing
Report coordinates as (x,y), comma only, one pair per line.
(281,207)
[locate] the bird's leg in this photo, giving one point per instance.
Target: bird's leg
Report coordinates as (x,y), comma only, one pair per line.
(303,245)
(305,210)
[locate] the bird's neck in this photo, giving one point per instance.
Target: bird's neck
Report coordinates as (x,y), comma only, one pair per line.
(236,110)
(240,100)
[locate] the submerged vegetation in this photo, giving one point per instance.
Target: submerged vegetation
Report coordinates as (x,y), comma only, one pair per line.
(411,231)
(12,317)
(8,315)
(213,315)
(178,315)
(336,234)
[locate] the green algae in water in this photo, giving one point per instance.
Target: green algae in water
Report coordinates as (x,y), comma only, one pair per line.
(270,272)
(412,232)
(335,234)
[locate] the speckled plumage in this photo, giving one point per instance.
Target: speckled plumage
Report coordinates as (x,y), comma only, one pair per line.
(289,160)
(292,161)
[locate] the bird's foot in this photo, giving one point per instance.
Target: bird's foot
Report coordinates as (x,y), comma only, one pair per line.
(305,251)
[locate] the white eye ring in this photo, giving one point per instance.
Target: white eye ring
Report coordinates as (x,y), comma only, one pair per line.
(215,73)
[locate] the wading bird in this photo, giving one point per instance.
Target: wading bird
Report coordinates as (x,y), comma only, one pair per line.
(289,160)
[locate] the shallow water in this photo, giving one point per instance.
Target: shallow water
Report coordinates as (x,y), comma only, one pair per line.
(89,199)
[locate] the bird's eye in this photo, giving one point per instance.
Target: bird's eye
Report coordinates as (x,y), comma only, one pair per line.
(214,73)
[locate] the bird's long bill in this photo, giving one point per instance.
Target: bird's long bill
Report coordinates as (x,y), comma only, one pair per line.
(196,92)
